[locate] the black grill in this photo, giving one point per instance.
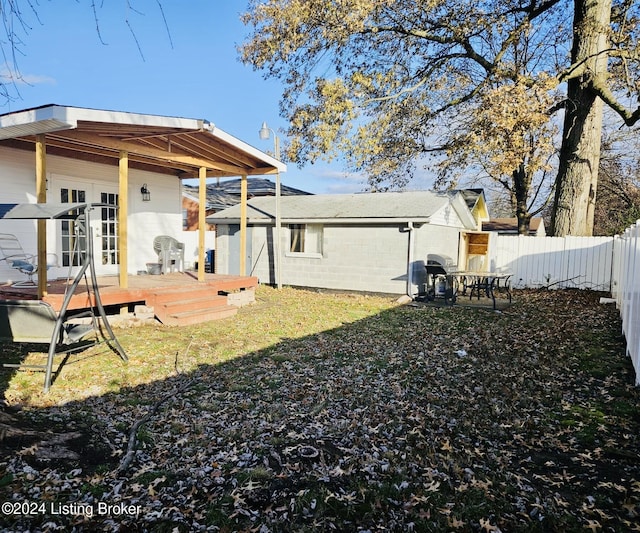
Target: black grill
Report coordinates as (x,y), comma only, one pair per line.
(440,283)
(435,269)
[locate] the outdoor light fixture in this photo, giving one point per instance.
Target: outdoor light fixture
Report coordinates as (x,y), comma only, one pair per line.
(146,195)
(265,131)
(265,134)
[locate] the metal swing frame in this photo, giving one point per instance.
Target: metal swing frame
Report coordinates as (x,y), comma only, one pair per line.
(81,213)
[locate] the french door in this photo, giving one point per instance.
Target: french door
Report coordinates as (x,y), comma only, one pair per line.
(104,225)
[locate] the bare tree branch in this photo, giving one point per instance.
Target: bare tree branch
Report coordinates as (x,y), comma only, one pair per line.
(602,90)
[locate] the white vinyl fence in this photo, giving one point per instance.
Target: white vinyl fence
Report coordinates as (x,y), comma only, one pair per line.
(610,264)
(627,290)
(555,262)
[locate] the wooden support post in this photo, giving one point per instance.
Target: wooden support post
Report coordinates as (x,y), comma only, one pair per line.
(123,212)
(202,211)
(41,196)
(243,226)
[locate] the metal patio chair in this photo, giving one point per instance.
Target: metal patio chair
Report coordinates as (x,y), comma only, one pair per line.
(15,256)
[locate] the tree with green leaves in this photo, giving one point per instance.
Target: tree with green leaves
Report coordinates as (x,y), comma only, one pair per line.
(383,83)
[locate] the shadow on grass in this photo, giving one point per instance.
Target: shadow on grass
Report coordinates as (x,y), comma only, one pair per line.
(414,418)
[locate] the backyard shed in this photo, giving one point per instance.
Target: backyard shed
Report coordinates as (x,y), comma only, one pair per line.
(376,242)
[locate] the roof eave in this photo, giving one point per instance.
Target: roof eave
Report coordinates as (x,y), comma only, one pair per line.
(51,118)
(57,117)
(464,212)
(35,122)
(333,221)
(224,136)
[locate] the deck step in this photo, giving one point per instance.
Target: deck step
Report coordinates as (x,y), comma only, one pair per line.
(236,284)
(176,294)
(182,307)
(191,304)
(187,318)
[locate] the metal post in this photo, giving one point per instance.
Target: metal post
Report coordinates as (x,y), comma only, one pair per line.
(265,132)
(278,221)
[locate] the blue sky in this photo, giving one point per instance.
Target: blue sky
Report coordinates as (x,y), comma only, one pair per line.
(194,73)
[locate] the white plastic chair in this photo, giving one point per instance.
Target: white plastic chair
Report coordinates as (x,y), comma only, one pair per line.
(170,253)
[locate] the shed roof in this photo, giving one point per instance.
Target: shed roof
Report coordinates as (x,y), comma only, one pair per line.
(510,225)
(169,145)
(416,206)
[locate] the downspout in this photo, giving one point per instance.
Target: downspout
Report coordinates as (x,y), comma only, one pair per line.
(411,230)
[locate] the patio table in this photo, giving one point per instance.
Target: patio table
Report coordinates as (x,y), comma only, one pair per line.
(487,283)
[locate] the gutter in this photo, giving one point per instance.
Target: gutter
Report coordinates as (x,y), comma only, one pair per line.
(411,230)
(328,221)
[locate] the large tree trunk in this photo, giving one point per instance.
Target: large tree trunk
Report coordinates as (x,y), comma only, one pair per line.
(521,189)
(577,181)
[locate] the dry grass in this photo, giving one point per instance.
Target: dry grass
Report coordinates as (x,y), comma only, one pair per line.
(320,412)
(156,351)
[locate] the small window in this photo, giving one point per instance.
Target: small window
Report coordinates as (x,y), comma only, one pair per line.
(297,238)
(305,238)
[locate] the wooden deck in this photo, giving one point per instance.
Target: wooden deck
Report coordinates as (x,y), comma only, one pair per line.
(177,298)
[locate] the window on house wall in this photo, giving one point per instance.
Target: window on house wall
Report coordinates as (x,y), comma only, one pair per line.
(72,248)
(297,238)
(305,238)
(109,223)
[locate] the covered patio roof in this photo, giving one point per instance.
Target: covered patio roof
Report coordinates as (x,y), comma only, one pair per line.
(180,147)
(168,145)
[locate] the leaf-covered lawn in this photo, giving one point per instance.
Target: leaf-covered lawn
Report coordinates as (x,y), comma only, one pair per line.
(319,412)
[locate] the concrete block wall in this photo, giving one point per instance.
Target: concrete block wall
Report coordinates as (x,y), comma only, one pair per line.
(439,240)
(353,258)
(364,258)
(360,258)
(222,249)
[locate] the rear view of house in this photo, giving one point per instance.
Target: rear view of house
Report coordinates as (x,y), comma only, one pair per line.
(131,163)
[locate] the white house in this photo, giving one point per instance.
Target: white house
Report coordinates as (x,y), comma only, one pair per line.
(133,161)
(376,242)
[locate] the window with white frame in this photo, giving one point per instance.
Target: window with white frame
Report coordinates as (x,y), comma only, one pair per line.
(305,238)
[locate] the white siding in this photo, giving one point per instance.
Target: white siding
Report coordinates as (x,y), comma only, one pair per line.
(446,216)
(162,215)
(17,169)
(191,240)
